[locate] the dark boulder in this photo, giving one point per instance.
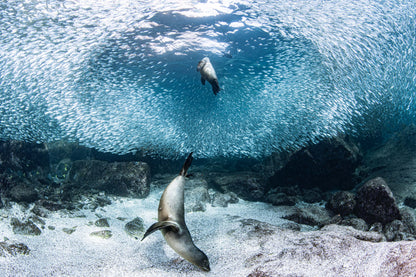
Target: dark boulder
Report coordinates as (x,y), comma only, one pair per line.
(23,193)
(135,228)
(409,220)
(329,164)
(312,195)
(197,198)
(342,202)
(223,199)
(376,203)
(309,215)
(247,185)
(23,156)
(102,222)
(394,231)
(356,223)
(13,248)
(25,228)
(281,199)
(119,178)
(376,227)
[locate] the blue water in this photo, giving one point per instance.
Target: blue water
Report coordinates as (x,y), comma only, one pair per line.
(121,76)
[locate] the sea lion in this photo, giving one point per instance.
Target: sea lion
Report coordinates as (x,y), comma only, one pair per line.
(171,221)
(208,73)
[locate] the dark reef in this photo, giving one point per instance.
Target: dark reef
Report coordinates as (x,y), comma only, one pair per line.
(334,181)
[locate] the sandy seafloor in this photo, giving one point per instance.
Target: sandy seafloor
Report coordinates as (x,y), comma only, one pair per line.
(233,249)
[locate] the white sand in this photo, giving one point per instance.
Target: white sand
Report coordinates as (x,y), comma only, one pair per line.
(233,250)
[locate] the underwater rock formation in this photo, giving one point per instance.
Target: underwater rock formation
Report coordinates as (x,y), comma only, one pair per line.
(135,227)
(247,185)
(376,203)
(13,248)
(342,202)
(25,228)
(25,157)
(310,215)
(197,198)
(394,159)
(120,178)
(329,164)
(23,193)
(223,199)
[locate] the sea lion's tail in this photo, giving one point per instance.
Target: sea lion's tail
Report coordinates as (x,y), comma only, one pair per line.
(186,165)
(215,86)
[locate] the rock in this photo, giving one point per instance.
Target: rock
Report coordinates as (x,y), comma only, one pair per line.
(312,195)
(247,185)
(356,223)
(39,210)
(376,227)
(196,199)
(310,215)
(23,193)
(330,164)
(104,234)
(342,202)
(69,230)
(375,202)
(13,248)
(394,231)
(120,178)
(281,199)
(135,228)
(288,190)
(51,205)
(409,220)
(23,156)
(410,201)
(25,228)
(102,222)
(102,201)
(223,199)
(36,219)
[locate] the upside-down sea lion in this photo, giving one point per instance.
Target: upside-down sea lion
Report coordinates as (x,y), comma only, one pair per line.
(208,73)
(171,221)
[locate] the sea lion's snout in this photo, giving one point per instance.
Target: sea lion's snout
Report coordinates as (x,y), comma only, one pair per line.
(205,266)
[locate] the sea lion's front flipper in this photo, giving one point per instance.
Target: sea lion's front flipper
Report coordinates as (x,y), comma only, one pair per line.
(203,81)
(173,226)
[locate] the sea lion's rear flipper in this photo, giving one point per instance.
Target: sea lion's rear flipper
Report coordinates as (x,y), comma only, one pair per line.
(203,81)
(215,86)
(173,226)
(186,165)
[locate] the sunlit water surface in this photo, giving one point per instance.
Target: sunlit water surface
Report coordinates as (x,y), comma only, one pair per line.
(121,76)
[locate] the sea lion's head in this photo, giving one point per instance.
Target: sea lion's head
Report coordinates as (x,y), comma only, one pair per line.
(202,63)
(201,260)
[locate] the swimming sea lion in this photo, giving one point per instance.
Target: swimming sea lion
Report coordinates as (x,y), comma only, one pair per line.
(171,221)
(208,73)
